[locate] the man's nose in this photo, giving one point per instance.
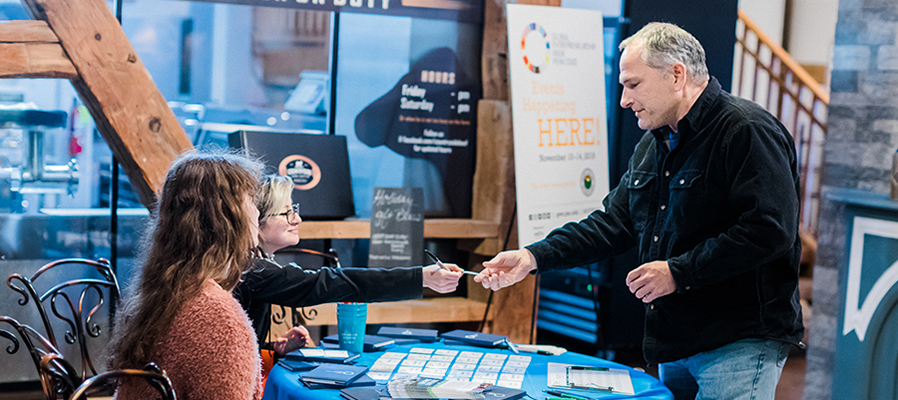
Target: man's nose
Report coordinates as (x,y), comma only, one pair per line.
(625,101)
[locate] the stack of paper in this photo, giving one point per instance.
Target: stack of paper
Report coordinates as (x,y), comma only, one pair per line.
(429,388)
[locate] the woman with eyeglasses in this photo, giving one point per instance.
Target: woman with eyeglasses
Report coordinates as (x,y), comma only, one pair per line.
(292,286)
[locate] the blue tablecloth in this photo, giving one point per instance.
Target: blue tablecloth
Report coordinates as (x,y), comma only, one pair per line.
(285,385)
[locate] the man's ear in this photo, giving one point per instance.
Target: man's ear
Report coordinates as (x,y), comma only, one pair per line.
(678,71)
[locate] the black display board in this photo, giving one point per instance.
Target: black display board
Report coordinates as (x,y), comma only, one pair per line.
(397,227)
(317,164)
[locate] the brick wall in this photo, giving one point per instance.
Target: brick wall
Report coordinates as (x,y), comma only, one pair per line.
(863,135)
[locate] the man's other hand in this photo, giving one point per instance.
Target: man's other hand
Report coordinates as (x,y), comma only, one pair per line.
(651,280)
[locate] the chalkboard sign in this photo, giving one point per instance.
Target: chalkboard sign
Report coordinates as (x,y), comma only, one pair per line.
(397,227)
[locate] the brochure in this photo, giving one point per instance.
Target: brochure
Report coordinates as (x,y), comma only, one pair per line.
(589,378)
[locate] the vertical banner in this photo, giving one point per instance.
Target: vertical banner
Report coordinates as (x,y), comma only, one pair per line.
(557,78)
(397,227)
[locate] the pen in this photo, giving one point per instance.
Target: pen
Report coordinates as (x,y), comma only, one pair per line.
(436,260)
(511,346)
(443,266)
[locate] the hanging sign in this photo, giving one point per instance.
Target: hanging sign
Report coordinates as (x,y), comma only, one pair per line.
(456,10)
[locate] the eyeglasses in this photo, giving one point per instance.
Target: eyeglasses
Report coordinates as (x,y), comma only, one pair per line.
(292,213)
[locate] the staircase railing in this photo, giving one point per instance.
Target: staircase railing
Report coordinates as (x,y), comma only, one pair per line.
(766,74)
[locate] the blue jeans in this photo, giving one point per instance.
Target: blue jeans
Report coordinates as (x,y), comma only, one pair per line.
(746,369)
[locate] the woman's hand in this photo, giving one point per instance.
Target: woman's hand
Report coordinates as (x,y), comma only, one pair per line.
(297,337)
(441,280)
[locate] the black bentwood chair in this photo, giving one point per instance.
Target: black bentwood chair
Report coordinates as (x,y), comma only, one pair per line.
(37,345)
(60,381)
(279,316)
(79,319)
(154,376)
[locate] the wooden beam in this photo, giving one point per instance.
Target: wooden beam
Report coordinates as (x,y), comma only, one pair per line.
(494,52)
(493,196)
(441,228)
(35,60)
(494,191)
(30,49)
(29,31)
(128,109)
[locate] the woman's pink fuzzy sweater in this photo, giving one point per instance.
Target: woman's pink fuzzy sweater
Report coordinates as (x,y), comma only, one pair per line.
(209,352)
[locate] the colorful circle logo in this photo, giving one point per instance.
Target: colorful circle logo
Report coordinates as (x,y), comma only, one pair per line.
(305,173)
(535,45)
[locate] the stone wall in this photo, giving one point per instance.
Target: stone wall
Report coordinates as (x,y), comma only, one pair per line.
(862,136)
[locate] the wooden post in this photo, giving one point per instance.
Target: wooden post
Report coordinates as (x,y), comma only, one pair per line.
(494,191)
(113,83)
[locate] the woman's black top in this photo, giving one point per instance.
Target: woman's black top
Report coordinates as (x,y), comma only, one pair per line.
(270,283)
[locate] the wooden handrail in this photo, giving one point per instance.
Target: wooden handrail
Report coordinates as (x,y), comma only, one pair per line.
(783,84)
(787,82)
(787,59)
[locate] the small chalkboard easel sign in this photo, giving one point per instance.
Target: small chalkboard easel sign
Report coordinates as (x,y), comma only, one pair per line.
(397,227)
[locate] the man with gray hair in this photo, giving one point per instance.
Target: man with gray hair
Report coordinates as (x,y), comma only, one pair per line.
(711,201)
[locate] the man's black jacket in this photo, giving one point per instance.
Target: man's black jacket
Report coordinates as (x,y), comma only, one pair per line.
(722,208)
(269,283)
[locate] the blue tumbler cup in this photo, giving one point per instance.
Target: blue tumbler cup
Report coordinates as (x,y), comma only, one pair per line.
(351,320)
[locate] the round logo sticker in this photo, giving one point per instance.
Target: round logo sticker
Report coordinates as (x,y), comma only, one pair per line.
(587,186)
(304,172)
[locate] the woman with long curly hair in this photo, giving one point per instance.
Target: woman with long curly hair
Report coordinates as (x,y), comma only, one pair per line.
(182,315)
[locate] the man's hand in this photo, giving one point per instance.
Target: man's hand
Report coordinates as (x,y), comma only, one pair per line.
(506,269)
(651,280)
(440,280)
(297,337)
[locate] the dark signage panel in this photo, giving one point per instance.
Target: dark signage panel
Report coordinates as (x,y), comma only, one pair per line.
(430,114)
(455,10)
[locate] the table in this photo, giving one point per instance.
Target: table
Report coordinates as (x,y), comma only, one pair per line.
(285,385)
